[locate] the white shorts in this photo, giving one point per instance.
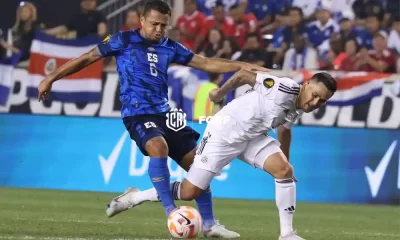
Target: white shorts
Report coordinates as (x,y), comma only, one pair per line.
(214,154)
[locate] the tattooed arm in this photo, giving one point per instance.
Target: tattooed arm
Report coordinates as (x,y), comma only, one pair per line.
(239,79)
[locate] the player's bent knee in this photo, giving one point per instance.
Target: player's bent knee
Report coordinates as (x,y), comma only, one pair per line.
(278,166)
(189,191)
(157,147)
(286,171)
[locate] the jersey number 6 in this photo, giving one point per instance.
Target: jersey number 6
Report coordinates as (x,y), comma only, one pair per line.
(153,59)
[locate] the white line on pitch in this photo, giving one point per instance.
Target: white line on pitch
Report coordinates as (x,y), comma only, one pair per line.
(68,220)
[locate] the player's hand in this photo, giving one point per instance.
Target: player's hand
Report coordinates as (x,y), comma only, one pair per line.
(44,89)
(215,95)
(253,67)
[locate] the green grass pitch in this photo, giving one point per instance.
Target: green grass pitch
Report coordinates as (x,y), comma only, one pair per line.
(62,215)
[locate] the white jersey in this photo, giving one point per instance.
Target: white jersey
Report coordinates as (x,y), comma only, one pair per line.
(268,105)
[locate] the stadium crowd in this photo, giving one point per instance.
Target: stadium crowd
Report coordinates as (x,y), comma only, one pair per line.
(347,35)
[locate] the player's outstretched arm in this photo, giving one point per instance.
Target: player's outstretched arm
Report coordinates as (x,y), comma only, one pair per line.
(71,67)
(239,79)
(220,65)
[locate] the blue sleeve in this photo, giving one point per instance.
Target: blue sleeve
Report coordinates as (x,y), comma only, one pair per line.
(111,45)
(182,56)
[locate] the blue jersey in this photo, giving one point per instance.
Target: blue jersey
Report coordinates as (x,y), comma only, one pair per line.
(142,67)
(318,34)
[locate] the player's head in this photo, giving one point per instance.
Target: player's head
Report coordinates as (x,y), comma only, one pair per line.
(380,41)
(219,11)
(316,92)
(155,19)
(189,6)
(323,15)
(88,5)
(372,23)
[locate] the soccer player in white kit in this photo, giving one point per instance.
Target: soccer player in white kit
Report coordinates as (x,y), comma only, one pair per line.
(271,103)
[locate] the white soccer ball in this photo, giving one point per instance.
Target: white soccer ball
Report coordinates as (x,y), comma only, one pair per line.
(185,222)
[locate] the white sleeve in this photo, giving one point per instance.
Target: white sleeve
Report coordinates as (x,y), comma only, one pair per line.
(264,83)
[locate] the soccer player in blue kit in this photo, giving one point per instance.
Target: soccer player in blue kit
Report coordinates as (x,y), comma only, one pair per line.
(143,56)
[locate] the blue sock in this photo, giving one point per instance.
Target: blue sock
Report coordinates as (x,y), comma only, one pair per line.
(159,175)
(205,205)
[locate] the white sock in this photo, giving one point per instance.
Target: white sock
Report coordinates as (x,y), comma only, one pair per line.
(285,194)
(151,194)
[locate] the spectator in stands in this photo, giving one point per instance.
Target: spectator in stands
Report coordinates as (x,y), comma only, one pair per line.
(321,30)
(22,32)
(213,43)
(351,60)
(295,25)
(245,24)
(218,20)
(332,52)
(278,46)
(230,49)
(190,23)
(364,8)
(132,20)
(282,22)
(175,34)
(347,29)
(202,105)
(253,52)
(394,36)
(380,59)
(365,36)
(88,22)
(300,56)
(308,7)
(263,11)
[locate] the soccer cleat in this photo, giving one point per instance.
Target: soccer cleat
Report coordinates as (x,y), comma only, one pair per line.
(219,231)
(121,203)
(291,236)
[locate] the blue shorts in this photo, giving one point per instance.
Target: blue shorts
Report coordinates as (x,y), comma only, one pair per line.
(142,128)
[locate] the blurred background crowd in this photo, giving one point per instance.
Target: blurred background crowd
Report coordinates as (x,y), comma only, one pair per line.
(347,35)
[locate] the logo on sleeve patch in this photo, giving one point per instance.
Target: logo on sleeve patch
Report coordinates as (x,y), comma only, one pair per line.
(107,39)
(269,82)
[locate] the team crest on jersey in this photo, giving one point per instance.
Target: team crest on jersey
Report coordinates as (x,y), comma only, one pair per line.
(107,39)
(269,82)
(176,120)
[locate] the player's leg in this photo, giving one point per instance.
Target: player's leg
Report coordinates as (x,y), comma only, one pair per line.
(264,153)
(149,136)
(183,149)
(157,149)
(196,185)
(203,197)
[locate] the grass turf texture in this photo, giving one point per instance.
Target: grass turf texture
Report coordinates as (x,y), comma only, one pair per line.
(62,215)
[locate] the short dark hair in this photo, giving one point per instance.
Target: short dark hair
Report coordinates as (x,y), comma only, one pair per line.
(296,9)
(157,5)
(326,79)
(235,6)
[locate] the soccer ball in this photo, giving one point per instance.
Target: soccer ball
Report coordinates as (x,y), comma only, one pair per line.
(185,222)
